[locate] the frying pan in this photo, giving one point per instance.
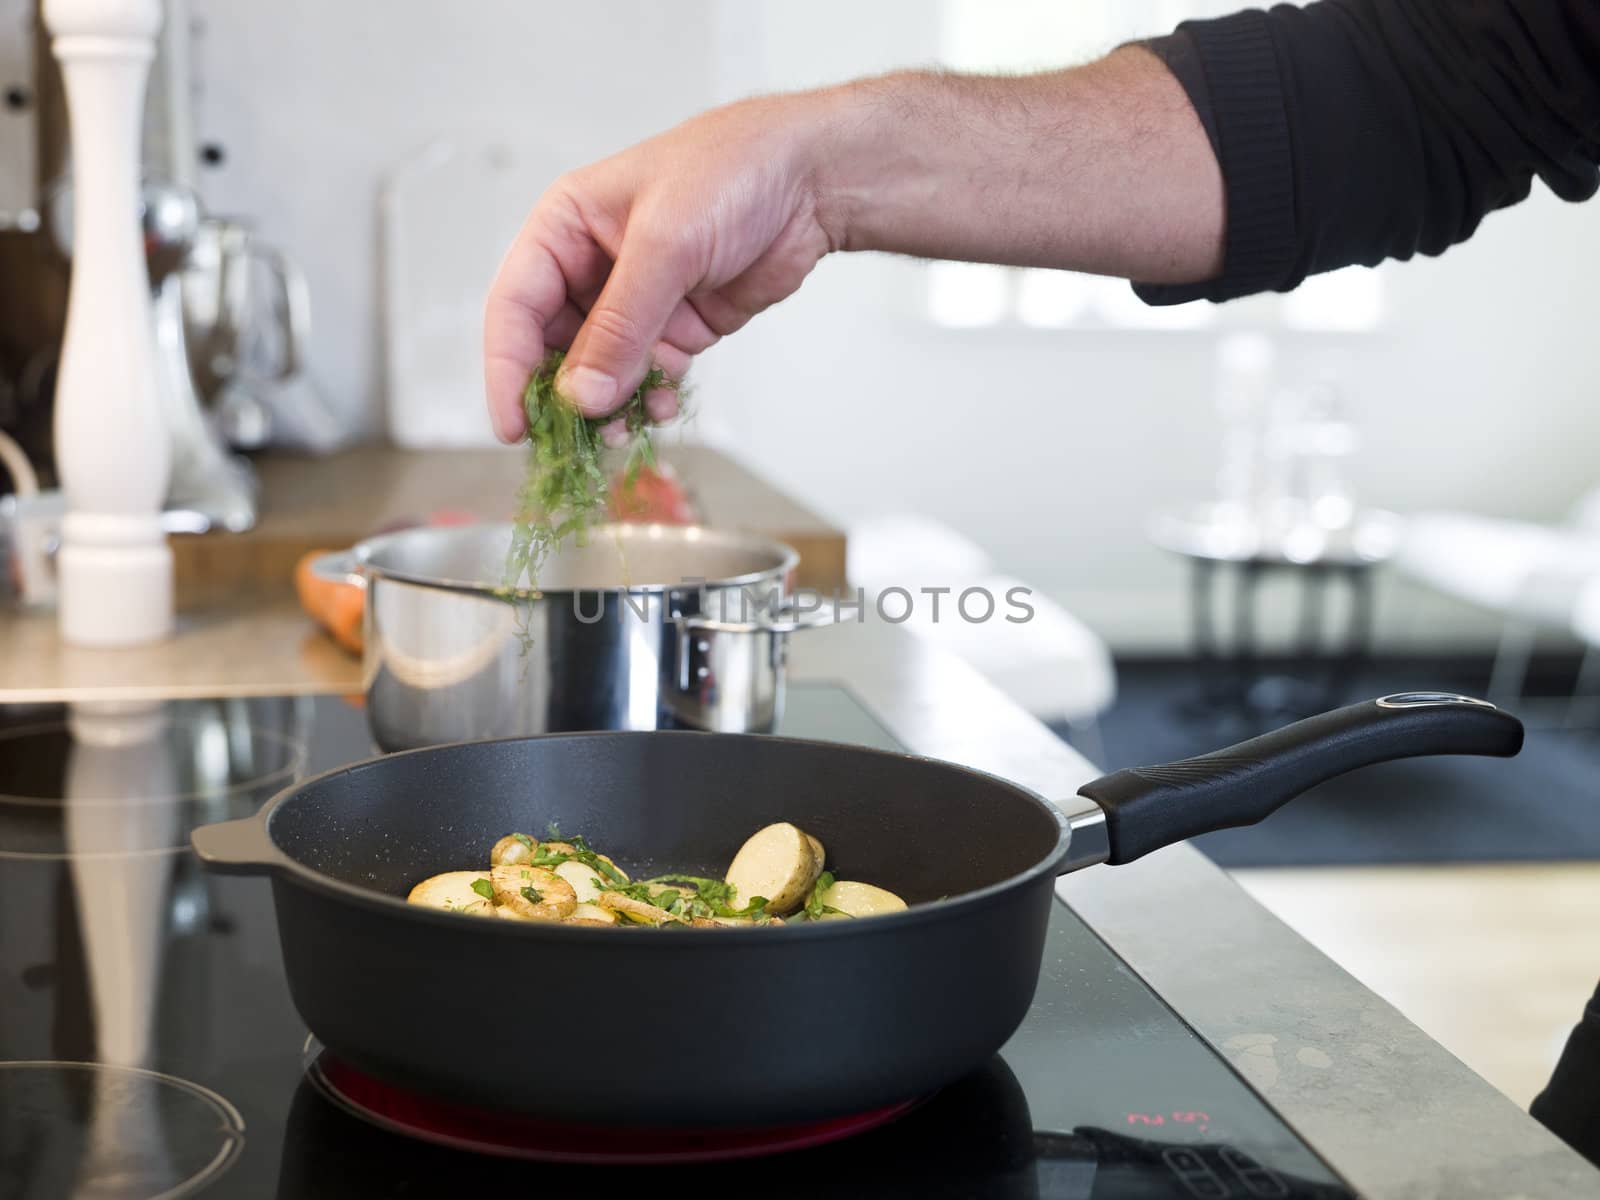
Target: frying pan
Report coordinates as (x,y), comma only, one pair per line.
(718,1027)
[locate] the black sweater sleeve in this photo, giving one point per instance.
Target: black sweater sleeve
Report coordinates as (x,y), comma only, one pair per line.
(1351,131)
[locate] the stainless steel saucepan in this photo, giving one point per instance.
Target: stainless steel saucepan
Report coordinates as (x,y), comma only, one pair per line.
(641,627)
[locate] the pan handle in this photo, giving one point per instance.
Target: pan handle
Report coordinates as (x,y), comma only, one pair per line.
(239,847)
(1150,807)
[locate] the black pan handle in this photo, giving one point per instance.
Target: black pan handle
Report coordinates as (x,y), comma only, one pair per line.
(239,847)
(1150,807)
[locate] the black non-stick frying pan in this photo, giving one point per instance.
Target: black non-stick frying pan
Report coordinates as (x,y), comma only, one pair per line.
(729,1026)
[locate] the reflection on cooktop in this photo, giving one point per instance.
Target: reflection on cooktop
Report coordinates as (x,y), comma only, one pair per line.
(90,1130)
(144,959)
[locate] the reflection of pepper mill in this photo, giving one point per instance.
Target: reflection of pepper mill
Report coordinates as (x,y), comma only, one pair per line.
(111,440)
(121,803)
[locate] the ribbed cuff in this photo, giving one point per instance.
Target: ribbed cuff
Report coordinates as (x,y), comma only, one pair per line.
(1243,98)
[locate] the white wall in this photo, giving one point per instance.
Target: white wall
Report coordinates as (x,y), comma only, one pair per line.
(1050,448)
(315,102)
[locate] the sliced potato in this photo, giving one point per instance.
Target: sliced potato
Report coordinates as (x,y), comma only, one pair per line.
(776,862)
(512,849)
(453,889)
(585,880)
(552,897)
(557,848)
(593,914)
(479,908)
(860,899)
(637,910)
(816,849)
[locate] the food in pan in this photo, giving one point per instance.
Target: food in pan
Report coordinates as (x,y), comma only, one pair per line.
(778,876)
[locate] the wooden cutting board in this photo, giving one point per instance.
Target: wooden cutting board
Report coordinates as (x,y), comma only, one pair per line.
(334,502)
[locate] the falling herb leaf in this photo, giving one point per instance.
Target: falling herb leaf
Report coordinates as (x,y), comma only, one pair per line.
(484,888)
(564,490)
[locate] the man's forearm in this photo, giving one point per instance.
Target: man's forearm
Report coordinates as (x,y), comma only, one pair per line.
(1102,168)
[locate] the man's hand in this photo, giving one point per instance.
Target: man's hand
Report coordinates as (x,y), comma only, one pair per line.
(653,254)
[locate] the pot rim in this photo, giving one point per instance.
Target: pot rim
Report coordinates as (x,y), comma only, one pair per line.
(283,867)
(698,535)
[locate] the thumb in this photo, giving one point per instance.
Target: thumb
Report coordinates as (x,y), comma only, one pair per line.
(611,353)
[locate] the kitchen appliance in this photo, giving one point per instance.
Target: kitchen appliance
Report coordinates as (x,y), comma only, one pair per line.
(645,626)
(1101,1092)
(247,312)
(921,997)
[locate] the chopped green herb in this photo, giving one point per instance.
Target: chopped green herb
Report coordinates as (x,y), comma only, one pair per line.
(815,908)
(527,842)
(715,896)
(580,853)
(532,895)
(565,486)
(484,888)
(635,891)
(713,891)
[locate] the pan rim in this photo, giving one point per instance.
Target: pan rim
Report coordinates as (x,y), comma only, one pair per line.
(283,865)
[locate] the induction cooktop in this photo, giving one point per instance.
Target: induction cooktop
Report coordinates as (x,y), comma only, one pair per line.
(149,1048)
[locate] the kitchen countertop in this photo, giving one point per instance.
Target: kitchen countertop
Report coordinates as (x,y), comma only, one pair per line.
(1391,1110)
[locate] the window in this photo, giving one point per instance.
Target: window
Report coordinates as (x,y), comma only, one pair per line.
(1028,35)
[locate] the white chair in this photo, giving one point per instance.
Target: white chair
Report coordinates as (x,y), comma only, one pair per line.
(1531,574)
(1052,664)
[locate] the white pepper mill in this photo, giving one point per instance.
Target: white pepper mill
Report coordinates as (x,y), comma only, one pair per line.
(112,446)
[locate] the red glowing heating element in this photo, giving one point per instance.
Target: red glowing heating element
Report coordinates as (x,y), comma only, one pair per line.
(487,1131)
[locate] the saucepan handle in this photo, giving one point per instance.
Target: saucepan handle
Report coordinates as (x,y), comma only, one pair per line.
(339,566)
(240,847)
(790,618)
(1150,807)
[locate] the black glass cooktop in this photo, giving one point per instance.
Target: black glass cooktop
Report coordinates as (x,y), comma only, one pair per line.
(148,1046)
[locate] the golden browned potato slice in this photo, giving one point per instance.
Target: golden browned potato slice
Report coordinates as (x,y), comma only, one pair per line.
(636,910)
(453,889)
(776,862)
(817,850)
(479,908)
(593,914)
(586,881)
(511,849)
(861,899)
(533,893)
(557,848)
